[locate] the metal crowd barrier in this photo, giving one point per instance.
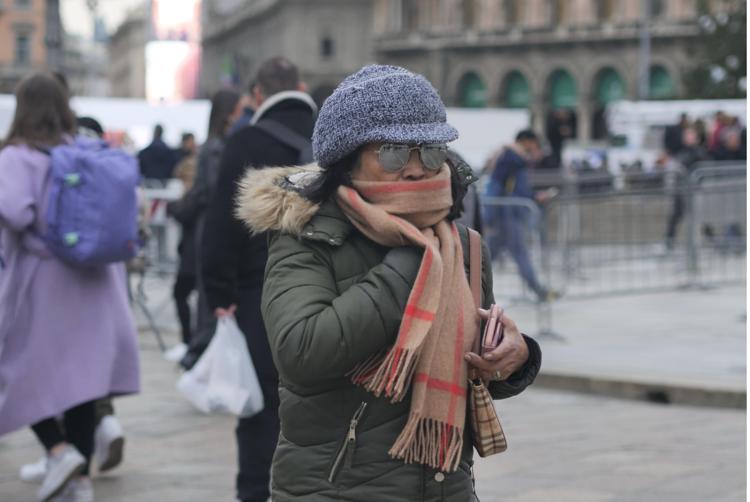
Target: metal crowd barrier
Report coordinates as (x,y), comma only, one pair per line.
(509,287)
(613,241)
(717,223)
(151,274)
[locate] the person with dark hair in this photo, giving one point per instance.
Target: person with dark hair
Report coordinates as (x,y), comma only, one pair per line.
(109,438)
(673,135)
(226,106)
(248,110)
(89,127)
(367,305)
(67,334)
(504,225)
(233,262)
(561,126)
(157,160)
(187,148)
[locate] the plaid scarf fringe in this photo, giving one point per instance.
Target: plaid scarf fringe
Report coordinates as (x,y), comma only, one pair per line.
(430,442)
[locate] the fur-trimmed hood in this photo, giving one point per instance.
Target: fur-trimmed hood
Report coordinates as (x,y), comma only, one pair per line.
(270,199)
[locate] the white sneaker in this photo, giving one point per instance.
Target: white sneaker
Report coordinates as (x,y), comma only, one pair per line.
(34,472)
(176,353)
(77,490)
(60,469)
(109,442)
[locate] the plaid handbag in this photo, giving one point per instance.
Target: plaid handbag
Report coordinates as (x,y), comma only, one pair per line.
(487,432)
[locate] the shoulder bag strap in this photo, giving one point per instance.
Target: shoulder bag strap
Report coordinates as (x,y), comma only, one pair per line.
(475,266)
(475,275)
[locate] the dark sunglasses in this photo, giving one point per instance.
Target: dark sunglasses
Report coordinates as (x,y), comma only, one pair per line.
(393,157)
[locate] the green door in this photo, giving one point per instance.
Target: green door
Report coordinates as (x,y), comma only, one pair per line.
(660,84)
(517,91)
(472,93)
(563,90)
(609,87)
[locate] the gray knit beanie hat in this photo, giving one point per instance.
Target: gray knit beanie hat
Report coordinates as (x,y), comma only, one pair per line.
(379,103)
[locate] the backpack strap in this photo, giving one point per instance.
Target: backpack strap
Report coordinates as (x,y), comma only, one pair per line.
(287,136)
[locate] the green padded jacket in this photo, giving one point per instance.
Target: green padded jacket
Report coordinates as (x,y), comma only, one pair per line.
(331,298)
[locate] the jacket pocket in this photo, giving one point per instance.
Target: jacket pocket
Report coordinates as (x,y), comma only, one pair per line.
(345,453)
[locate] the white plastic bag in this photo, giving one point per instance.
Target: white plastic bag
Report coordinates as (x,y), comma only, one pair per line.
(224,379)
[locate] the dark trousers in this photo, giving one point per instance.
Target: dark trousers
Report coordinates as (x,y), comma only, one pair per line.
(256,442)
(183,286)
(257,436)
(509,234)
(678,211)
(77,429)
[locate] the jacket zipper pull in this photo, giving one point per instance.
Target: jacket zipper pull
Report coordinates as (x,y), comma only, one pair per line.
(351,436)
(345,453)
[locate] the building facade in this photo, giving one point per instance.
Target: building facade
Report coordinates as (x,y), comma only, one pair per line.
(127,55)
(30,39)
(544,55)
(326,39)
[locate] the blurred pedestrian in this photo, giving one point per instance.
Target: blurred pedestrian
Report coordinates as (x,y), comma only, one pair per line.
(109,438)
(187,149)
(730,145)
(721,120)
(233,262)
(248,110)
(505,225)
(226,107)
(673,135)
(691,152)
(354,240)
(186,280)
(157,160)
(561,127)
(67,335)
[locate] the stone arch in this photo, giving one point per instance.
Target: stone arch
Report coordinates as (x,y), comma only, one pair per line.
(562,89)
(661,83)
(515,90)
(471,91)
(608,85)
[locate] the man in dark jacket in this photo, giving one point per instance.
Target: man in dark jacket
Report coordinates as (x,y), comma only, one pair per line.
(233,260)
(510,178)
(157,160)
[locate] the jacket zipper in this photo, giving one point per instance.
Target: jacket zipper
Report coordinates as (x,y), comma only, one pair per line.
(345,454)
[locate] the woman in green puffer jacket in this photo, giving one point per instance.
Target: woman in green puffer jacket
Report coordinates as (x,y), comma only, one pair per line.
(367,305)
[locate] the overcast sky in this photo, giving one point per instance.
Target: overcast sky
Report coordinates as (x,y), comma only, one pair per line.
(77,19)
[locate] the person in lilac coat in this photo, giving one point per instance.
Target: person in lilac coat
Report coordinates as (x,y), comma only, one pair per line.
(67,337)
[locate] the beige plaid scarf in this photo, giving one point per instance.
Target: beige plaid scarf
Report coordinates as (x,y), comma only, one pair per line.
(439,323)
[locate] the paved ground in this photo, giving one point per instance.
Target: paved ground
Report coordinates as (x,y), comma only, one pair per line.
(691,339)
(563,447)
(680,338)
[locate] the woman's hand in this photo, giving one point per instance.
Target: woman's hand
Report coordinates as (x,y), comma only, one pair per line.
(227,312)
(508,356)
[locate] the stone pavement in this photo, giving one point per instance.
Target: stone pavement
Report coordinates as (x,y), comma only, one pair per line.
(562,446)
(683,346)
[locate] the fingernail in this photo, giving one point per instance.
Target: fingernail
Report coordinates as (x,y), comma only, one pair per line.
(467,357)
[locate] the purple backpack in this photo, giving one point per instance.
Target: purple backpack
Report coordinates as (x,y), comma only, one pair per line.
(92,205)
